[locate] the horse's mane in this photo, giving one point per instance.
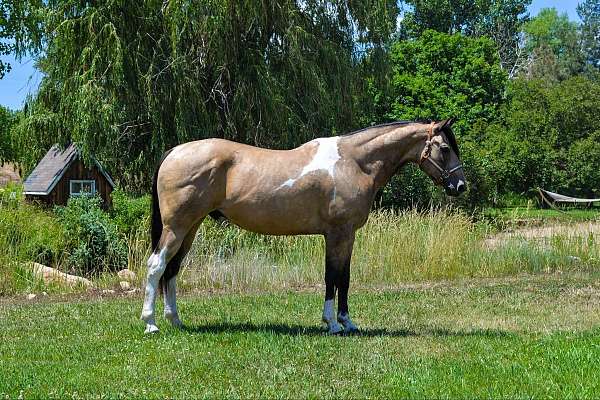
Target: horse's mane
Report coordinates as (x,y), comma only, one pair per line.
(447,130)
(394,123)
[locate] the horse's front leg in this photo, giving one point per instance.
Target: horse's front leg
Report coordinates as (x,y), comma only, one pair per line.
(338,252)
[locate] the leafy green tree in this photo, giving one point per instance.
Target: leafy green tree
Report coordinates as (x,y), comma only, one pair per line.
(582,172)
(127,80)
(433,77)
(545,137)
(19,29)
(552,41)
(500,20)
(589,12)
(7,120)
(441,76)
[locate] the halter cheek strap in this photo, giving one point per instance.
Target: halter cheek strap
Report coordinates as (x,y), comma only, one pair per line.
(427,152)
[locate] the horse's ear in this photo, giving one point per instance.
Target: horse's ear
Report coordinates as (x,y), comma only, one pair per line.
(449,122)
(446,123)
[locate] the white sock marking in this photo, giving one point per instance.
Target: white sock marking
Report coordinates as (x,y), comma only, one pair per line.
(156,267)
(171,303)
(329,317)
(347,322)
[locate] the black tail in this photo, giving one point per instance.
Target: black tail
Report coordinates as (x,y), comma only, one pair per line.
(156,228)
(156,231)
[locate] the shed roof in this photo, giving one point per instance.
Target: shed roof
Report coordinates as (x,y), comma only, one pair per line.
(51,169)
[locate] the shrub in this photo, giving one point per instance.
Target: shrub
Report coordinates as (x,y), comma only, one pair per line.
(27,233)
(95,244)
(130,213)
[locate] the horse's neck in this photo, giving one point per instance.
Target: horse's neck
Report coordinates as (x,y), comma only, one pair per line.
(382,154)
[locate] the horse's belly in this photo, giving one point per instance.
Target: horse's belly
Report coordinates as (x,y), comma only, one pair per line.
(280,216)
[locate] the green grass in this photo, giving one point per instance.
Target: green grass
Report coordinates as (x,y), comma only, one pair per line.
(531,336)
(533,215)
(392,248)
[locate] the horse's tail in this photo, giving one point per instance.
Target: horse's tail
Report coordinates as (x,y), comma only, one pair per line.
(174,264)
(157,226)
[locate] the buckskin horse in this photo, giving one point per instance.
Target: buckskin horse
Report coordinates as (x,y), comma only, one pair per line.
(326,186)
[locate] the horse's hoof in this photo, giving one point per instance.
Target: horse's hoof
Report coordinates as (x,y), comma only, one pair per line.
(351,331)
(335,330)
(174,320)
(150,328)
(177,323)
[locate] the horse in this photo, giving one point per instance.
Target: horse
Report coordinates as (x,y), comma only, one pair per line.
(324,187)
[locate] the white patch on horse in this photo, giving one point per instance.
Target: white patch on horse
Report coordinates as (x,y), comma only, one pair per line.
(450,186)
(324,159)
(170,303)
(347,323)
(329,317)
(459,184)
(156,267)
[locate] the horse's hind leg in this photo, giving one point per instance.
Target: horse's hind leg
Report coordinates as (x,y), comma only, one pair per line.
(167,248)
(170,286)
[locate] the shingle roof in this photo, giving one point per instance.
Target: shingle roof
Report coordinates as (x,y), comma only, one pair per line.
(51,168)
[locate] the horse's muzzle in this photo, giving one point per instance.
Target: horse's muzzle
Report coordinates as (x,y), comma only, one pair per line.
(454,187)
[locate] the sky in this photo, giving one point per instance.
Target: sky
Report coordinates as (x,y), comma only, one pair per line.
(24,79)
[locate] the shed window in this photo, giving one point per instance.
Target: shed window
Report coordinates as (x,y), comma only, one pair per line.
(83,188)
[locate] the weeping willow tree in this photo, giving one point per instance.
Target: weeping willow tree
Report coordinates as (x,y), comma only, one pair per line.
(126,80)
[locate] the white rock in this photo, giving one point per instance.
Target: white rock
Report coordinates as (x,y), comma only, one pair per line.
(31,296)
(124,285)
(126,274)
(51,275)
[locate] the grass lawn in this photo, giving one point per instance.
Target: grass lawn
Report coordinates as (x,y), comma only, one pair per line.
(531,336)
(520,214)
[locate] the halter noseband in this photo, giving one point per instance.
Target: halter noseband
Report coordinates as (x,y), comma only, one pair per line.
(445,174)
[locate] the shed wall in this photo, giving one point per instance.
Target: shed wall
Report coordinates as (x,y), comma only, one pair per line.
(77,171)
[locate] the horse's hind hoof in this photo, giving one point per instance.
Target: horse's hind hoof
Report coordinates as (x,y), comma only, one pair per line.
(351,331)
(150,329)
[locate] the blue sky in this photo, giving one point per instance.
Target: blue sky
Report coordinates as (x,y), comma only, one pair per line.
(24,79)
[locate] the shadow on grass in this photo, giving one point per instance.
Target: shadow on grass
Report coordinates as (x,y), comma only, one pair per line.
(300,330)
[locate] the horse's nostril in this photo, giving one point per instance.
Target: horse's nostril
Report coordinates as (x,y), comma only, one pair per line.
(460,186)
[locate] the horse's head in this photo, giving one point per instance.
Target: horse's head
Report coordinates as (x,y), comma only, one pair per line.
(440,158)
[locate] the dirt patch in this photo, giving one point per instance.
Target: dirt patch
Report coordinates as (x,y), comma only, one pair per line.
(539,233)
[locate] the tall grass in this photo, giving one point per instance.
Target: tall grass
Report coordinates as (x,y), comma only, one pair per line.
(391,248)
(27,233)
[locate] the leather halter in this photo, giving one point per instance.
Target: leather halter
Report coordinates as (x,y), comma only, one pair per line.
(445,173)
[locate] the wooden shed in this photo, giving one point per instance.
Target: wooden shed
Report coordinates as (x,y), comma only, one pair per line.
(61,174)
